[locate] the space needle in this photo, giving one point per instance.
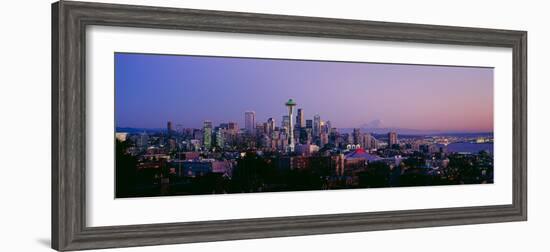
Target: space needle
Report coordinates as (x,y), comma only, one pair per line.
(291,104)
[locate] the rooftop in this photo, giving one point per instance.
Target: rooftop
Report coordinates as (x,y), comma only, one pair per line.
(361,153)
(290,102)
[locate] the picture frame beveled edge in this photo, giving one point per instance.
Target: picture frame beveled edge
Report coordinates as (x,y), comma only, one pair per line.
(69,20)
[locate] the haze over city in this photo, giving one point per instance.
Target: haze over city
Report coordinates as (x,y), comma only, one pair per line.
(153,89)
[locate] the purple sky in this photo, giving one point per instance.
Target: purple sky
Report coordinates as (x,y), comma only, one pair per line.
(153,89)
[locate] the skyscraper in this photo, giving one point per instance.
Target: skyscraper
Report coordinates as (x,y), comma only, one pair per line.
(323,139)
(328,126)
(143,140)
(300,120)
(291,104)
(220,141)
(367,141)
(250,121)
(270,125)
(265,128)
(357,136)
(169,128)
(179,129)
(309,124)
(233,127)
(392,138)
(207,134)
(316,126)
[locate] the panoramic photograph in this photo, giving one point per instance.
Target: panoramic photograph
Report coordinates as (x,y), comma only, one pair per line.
(198,125)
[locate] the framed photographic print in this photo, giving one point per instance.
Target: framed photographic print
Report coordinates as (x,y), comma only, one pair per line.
(178,125)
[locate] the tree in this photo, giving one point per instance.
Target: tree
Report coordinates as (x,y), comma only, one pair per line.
(126,170)
(376,175)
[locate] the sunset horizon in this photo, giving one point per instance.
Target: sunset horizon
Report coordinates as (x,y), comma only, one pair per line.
(350,95)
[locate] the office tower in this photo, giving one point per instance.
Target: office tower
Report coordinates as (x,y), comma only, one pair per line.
(349,138)
(172,144)
(169,128)
(316,126)
(300,121)
(309,124)
(309,136)
(220,134)
(207,135)
(143,140)
(374,143)
(392,138)
(270,125)
(290,105)
(328,126)
(265,128)
(260,128)
(250,121)
(224,126)
(197,134)
(367,141)
(357,136)
(179,129)
(233,128)
(323,139)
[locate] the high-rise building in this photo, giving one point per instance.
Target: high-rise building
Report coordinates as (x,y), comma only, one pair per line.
(250,121)
(198,134)
(290,104)
(367,141)
(392,138)
(172,144)
(328,126)
(232,128)
(220,134)
(357,137)
(323,139)
(309,124)
(179,129)
(143,140)
(169,128)
(265,128)
(374,142)
(300,119)
(270,126)
(316,126)
(207,134)
(260,128)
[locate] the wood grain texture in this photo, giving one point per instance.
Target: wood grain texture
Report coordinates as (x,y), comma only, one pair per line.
(69,20)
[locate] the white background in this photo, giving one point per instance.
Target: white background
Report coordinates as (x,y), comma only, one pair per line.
(103,210)
(25,127)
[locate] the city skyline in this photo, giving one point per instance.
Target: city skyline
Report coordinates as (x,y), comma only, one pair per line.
(154,89)
(244,125)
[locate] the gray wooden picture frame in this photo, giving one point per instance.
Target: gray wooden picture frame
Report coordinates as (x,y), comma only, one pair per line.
(69,21)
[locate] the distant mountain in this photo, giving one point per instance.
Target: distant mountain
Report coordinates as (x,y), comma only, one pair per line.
(377,126)
(401,131)
(138,130)
(404,131)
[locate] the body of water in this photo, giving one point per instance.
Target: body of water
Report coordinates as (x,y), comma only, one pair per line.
(470,147)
